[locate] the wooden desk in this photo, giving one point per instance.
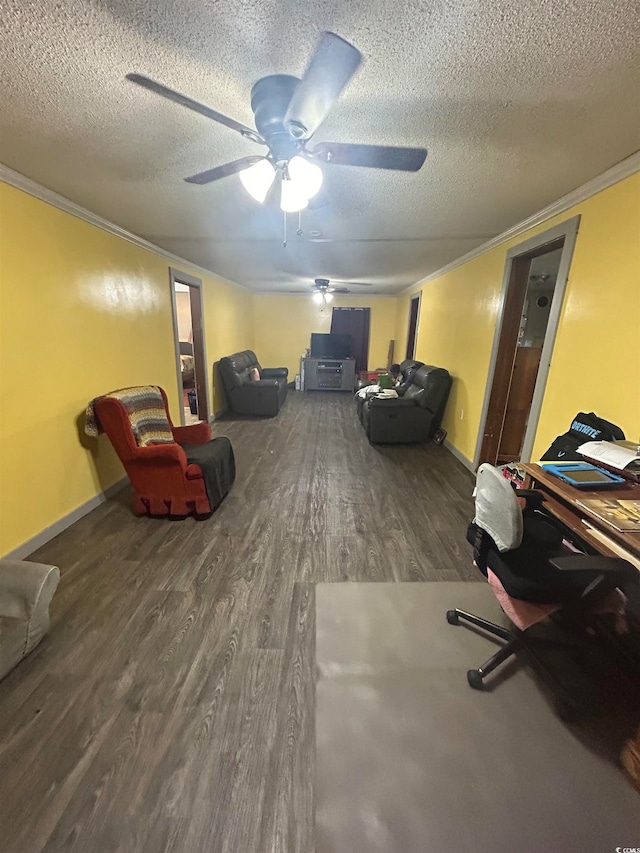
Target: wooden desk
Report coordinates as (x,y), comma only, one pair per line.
(561,499)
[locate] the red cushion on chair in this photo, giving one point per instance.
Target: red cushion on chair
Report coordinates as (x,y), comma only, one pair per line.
(163,482)
(523,614)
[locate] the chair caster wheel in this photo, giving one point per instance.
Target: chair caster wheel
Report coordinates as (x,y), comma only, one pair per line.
(475,679)
(452,617)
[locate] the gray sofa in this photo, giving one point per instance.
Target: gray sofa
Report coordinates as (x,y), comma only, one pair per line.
(250,397)
(26,590)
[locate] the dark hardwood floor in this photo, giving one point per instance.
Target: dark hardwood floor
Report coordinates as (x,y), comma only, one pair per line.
(171,706)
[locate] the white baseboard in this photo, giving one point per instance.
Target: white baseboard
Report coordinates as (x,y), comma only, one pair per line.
(76,514)
(459,456)
(57,527)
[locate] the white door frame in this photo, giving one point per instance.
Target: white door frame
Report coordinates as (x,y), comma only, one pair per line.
(414,296)
(568,230)
(178,277)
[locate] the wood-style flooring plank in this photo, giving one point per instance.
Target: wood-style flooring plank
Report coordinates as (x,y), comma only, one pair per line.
(239,772)
(42,772)
(171,707)
(288,813)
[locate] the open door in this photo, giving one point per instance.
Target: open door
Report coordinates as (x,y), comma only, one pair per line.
(533,291)
(191,357)
(414,314)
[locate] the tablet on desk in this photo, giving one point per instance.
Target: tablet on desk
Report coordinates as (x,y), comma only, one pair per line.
(582,475)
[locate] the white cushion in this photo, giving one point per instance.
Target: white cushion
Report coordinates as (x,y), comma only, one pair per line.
(497,508)
(26,590)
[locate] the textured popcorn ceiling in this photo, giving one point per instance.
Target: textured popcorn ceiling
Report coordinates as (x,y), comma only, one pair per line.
(517,102)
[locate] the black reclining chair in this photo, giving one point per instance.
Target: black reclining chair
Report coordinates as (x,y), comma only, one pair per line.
(246,396)
(524,554)
(413,417)
(407,370)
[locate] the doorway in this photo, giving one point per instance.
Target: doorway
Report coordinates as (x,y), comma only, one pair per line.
(354,322)
(534,283)
(191,358)
(414,314)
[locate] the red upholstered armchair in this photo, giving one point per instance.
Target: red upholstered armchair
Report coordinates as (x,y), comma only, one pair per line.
(163,480)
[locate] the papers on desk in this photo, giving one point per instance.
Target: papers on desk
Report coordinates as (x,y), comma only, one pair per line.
(542,462)
(622,457)
(624,515)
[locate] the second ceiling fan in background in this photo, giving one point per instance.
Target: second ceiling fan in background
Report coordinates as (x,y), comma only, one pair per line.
(287,112)
(323,289)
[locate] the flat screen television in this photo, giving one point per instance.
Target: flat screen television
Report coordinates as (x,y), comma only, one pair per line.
(331,346)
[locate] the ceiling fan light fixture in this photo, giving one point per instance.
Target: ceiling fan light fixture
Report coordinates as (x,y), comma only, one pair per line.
(308,176)
(328,297)
(292,198)
(257,179)
(287,113)
(317,297)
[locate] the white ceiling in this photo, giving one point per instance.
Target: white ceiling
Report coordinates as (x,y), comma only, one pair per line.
(544,265)
(518,103)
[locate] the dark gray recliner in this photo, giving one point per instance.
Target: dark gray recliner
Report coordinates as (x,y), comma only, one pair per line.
(250,397)
(413,417)
(407,369)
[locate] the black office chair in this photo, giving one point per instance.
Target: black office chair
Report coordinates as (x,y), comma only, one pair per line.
(531,564)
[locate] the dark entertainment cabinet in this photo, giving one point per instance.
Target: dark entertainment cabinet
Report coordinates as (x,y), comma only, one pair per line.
(328,374)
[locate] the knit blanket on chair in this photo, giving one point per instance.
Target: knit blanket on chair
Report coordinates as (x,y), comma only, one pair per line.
(146,412)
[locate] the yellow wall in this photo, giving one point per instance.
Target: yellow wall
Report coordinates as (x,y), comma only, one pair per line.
(81,312)
(284,323)
(596,360)
(228,320)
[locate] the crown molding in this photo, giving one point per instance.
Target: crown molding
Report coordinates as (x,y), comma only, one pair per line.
(624,169)
(612,176)
(353,294)
(21,182)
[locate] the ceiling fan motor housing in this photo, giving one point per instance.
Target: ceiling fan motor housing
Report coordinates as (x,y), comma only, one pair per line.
(287,113)
(270,98)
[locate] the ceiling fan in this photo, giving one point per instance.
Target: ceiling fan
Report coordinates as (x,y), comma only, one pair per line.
(322,289)
(288,111)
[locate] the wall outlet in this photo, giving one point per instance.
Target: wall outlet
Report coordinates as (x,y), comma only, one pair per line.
(461,414)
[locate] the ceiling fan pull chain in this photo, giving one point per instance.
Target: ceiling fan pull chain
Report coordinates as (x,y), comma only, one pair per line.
(299,232)
(284,229)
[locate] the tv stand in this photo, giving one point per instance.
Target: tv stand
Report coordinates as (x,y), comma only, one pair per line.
(329,374)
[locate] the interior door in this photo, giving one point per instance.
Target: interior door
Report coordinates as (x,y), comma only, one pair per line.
(516,366)
(414,312)
(192,288)
(505,360)
(354,322)
(523,383)
(197,321)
